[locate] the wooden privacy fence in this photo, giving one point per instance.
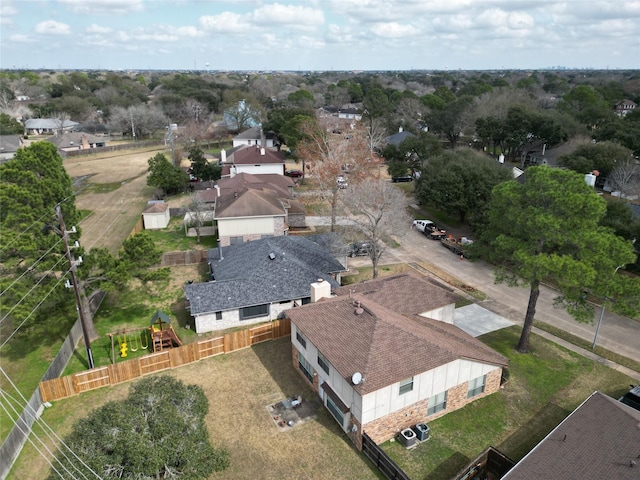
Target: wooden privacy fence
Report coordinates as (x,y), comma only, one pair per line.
(63,387)
(380,459)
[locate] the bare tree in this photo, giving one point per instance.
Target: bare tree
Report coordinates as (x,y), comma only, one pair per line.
(328,153)
(140,120)
(199,213)
(625,178)
(60,119)
(378,210)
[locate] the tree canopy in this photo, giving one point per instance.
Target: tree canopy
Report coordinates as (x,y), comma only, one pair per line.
(157,432)
(162,174)
(547,229)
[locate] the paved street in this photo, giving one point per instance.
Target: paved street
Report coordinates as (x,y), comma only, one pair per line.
(618,334)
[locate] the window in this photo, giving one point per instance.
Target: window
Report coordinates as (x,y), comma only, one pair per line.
(252,312)
(306,300)
(301,340)
(476,386)
(324,364)
(218,315)
(437,403)
(406,386)
(305,368)
(335,411)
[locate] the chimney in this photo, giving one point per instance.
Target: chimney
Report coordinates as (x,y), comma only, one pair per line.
(400,129)
(262,151)
(319,290)
(217,187)
(223,156)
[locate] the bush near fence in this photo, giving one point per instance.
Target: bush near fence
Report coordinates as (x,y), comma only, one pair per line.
(64,387)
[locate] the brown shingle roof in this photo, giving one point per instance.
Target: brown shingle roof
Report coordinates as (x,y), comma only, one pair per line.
(249,202)
(252,155)
(385,346)
(406,293)
(598,440)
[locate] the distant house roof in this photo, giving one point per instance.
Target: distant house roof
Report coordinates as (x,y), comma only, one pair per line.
(599,439)
(249,202)
(254,133)
(75,139)
(397,138)
(47,124)
(256,155)
(11,143)
(259,181)
(356,334)
(407,293)
(263,271)
(156,208)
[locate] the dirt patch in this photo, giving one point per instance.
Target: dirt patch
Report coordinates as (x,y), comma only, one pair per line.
(293,411)
(115,212)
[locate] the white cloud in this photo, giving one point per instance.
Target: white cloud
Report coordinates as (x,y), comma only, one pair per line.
(18,38)
(51,27)
(6,12)
(93,28)
(226,22)
(104,6)
(394,30)
(293,15)
(189,32)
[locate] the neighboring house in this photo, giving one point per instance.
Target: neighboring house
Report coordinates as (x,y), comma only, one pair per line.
(70,141)
(249,207)
(397,138)
(625,106)
(256,160)
(9,145)
(257,282)
(599,439)
(156,215)
(350,113)
(255,136)
(384,355)
(41,126)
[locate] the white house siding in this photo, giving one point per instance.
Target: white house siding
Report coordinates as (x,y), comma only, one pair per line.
(277,168)
(237,227)
(445,314)
(231,318)
(253,141)
(387,400)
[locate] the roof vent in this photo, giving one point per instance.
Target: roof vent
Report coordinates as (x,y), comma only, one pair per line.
(359,311)
(272,256)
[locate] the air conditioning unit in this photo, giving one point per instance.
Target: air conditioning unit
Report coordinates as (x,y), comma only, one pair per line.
(422,431)
(407,438)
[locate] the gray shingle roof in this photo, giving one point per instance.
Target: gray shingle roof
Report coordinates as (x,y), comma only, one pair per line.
(398,138)
(247,275)
(598,440)
(48,123)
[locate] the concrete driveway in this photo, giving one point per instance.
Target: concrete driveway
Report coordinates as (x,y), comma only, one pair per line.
(476,320)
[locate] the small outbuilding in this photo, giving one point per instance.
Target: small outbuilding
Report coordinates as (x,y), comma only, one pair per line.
(156,216)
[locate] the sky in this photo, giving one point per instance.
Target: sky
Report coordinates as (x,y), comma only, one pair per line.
(321,35)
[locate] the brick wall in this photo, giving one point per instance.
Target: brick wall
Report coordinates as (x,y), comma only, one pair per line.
(387,427)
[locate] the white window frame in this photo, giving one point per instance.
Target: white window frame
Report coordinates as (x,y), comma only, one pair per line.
(437,403)
(406,386)
(476,386)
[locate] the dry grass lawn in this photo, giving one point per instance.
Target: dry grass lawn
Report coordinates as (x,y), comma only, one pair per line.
(239,387)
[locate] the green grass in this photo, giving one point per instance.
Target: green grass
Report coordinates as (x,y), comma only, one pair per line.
(543,387)
(173,238)
(603,352)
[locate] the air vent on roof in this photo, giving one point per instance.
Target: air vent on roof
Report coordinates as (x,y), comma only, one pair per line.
(272,256)
(359,311)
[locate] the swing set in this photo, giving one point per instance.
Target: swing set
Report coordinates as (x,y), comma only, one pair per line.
(130,340)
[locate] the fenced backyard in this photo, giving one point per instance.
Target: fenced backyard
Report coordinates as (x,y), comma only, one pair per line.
(70,385)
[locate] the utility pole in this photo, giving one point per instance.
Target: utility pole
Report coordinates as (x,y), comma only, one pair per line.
(73,264)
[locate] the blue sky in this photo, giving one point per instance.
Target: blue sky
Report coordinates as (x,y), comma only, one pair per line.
(319,34)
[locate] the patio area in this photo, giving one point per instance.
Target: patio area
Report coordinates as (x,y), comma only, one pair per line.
(293,411)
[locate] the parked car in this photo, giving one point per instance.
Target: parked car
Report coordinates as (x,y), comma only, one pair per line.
(359,249)
(294,173)
(430,229)
(632,397)
(402,178)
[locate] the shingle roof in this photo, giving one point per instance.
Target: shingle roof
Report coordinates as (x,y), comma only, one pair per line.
(248,202)
(156,208)
(247,275)
(598,440)
(407,293)
(11,143)
(48,123)
(261,181)
(74,139)
(252,155)
(384,346)
(398,138)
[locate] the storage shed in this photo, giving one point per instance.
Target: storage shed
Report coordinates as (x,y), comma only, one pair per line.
(156,216)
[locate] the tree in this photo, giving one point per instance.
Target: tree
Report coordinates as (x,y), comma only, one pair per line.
(10,126)
(546,229)
(601,156)
(450,120)
(327,153)
(140,120)
(165,176)
(460,182)
(625,177)
(157,432)
(241,110)
(378,210)
(301,98)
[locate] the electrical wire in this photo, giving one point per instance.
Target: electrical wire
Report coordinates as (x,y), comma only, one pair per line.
(31,267)
(32,311)
(44,276)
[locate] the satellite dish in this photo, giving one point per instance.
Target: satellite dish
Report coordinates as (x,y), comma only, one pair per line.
(356,378)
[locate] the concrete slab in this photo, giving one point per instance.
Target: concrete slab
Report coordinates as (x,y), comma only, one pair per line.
(477,321)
